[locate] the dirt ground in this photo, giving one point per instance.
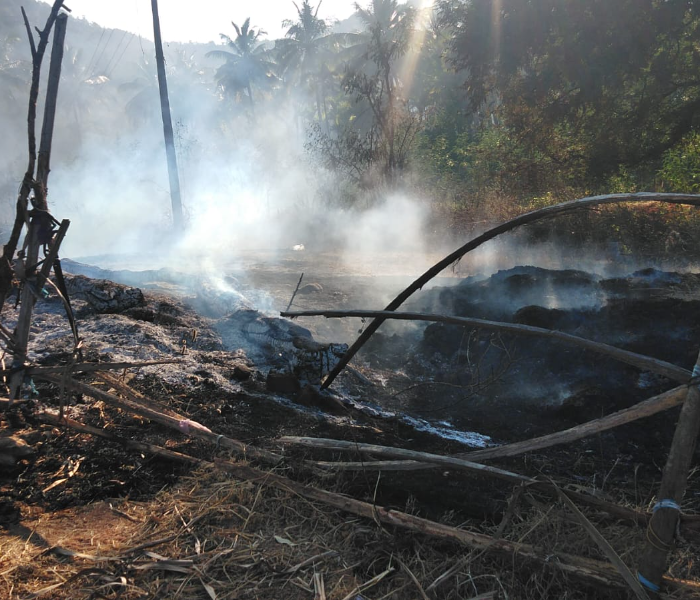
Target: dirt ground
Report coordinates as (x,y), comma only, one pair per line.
(83,517)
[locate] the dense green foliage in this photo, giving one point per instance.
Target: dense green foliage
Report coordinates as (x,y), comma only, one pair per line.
(605,83)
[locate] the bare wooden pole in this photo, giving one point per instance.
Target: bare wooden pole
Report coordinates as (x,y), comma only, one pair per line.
(531,217)
(640,361)
(662,527)
(171,157)
(44,158)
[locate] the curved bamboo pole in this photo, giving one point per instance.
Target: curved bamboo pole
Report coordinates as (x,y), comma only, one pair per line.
(531,217)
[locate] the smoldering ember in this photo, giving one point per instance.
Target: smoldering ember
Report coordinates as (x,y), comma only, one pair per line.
(375,310)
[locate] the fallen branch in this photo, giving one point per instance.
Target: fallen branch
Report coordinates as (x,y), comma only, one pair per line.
(646,408)
(137,397)
(531,217)
(178,423)
(591,570)
(640,361)
(433,460)
(54,419)
(90,367)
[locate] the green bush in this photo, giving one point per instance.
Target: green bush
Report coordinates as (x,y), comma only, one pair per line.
(681,166)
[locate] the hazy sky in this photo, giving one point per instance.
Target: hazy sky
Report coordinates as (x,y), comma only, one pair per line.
(200,20)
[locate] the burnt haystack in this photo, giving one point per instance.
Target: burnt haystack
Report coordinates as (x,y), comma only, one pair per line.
(649,312)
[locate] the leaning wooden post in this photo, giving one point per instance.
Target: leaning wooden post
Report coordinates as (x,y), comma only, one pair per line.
(666,511)
(44,158)
(167,123)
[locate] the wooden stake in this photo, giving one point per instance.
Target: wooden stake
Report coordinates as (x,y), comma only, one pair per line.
(296,289)
(662,527)
(21,335)
(44,159)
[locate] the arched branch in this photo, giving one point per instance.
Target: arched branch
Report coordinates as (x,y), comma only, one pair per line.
(531,217)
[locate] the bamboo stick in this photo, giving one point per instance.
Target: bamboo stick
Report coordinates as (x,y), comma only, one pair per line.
(606,548)
(640,361)
(531,217)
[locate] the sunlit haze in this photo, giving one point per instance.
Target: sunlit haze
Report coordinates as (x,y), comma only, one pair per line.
(202,21)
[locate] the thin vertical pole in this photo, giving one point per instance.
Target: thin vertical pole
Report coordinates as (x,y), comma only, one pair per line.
(167,123)
(44,158)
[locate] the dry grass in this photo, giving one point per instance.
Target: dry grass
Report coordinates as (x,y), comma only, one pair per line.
(214,537)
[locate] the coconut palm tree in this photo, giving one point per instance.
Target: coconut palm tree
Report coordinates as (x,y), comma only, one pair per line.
(143,106)
(370,75)
(308,54)
(247,63)
(299,53)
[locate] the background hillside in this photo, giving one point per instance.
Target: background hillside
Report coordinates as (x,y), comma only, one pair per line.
(458,117)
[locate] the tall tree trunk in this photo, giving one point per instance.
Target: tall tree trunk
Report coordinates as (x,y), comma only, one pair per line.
(390,121)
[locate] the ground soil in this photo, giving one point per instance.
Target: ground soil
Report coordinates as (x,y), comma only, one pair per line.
(97,498)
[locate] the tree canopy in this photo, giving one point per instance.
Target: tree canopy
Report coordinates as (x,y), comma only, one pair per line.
(618,77)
